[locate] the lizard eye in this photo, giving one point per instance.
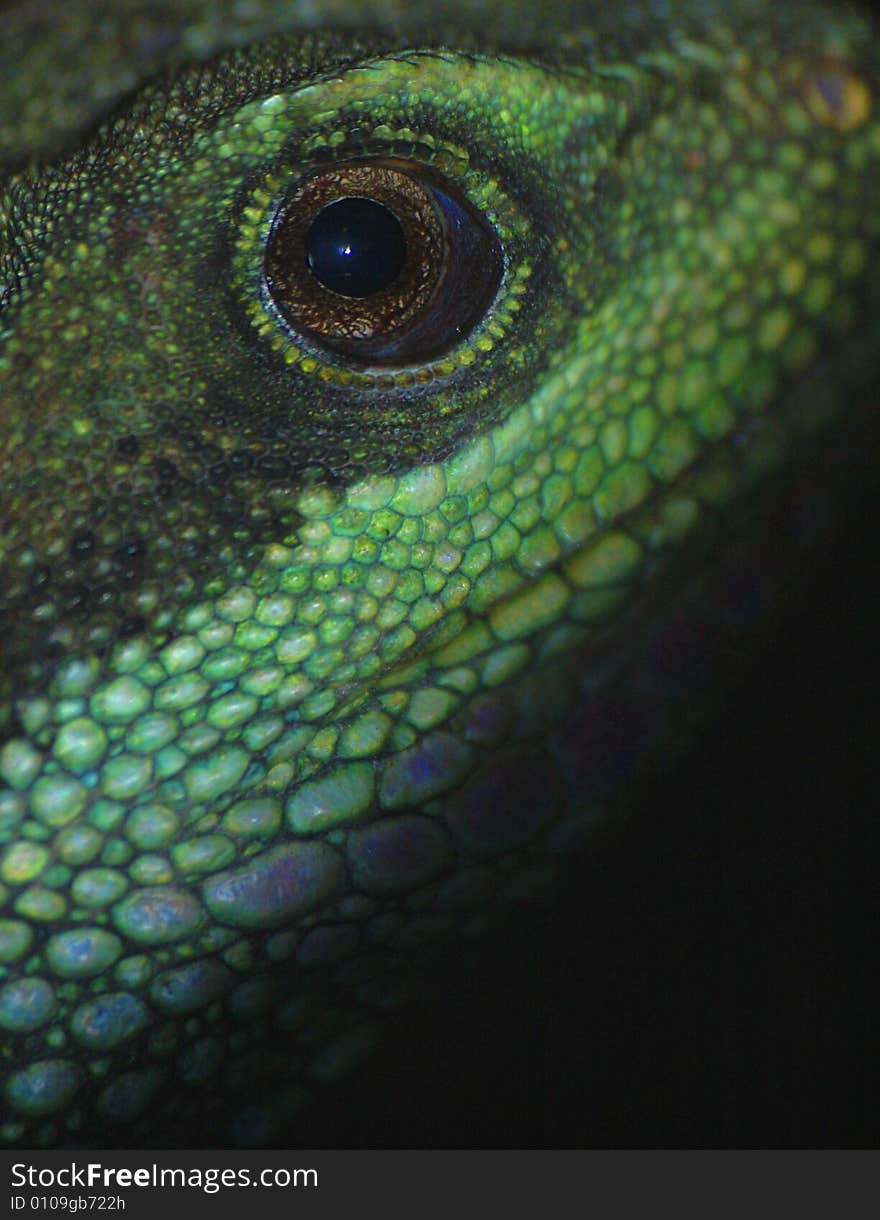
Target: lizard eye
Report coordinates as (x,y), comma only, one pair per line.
(380,262)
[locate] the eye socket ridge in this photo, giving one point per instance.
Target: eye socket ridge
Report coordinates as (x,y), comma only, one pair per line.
(420,305)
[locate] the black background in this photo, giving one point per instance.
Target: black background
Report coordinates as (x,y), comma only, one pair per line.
(713,986)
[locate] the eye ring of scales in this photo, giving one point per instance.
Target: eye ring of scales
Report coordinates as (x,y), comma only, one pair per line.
(316,671)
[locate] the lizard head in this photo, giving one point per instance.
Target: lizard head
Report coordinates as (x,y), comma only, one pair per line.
(276,531)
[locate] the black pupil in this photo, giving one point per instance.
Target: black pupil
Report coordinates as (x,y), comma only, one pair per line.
(356,247)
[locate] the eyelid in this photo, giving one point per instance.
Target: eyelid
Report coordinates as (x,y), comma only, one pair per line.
(448,169)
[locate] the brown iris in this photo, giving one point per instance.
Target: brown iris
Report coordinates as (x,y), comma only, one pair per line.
(381,261)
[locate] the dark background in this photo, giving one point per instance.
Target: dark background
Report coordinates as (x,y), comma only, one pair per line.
(713,986)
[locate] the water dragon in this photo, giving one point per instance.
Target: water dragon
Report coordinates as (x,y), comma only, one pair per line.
(379,386)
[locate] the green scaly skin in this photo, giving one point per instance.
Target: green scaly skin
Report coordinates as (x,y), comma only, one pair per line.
(291,650)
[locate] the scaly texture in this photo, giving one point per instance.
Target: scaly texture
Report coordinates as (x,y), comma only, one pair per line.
(307,664)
